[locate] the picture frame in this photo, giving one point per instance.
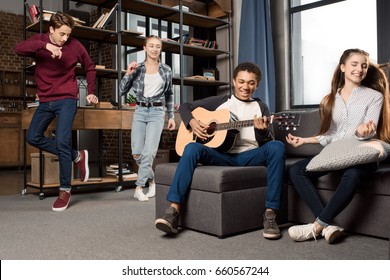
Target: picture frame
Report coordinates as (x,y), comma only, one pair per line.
(211,73)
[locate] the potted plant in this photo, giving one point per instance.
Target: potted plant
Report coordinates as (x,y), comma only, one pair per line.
(131,99)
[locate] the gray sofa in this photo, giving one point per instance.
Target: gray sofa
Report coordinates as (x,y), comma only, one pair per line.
(224,201)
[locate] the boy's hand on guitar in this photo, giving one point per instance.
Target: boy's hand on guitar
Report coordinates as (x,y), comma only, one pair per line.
(199,129)
(261,123)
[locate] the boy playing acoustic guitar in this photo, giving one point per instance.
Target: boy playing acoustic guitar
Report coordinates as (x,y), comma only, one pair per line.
(252,146)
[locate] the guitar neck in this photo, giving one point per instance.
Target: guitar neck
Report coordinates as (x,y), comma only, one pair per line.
(239,124)
(234,125)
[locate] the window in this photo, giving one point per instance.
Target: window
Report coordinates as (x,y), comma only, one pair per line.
(320,32)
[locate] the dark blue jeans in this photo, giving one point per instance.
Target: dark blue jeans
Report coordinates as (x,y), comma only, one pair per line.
(64,111)
(271,155)
(303,182)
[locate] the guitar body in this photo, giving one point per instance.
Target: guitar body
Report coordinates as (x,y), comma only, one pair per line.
(222,140)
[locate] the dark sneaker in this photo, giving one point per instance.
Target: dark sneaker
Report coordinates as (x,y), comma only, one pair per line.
(170,222)
(271,229)
(83,166)
(62,201)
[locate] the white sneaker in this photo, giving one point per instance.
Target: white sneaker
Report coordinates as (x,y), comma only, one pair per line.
(303,232)
(138,194)
(332,233)
(152,189)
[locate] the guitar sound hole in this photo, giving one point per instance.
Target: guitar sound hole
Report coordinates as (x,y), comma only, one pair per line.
(211,129)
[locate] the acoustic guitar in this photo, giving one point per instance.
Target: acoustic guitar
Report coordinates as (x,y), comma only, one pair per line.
(221,131)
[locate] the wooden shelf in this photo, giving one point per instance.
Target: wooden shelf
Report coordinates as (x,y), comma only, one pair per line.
(103,73)
(81,32)
(109,36)
(198,82)
(172,47)
(162,12)
(78,182)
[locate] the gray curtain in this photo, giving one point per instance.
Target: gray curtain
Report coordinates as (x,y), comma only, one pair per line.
(256,46)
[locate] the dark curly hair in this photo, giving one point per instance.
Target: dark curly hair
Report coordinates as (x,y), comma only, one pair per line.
(249,67)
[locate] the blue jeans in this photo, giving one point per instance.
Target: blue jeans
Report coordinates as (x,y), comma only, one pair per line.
(64,111)
(271,155)
(148,124)
(303,182)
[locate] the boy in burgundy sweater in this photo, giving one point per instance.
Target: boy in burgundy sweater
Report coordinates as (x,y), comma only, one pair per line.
(56,55)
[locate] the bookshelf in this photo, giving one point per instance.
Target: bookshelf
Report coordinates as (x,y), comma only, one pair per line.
(119,37)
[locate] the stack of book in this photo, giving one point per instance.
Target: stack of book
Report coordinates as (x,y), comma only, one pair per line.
(113,170)
(104,19)
(188,40)
(33,104)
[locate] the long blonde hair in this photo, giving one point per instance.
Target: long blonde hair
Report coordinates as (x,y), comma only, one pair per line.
(375,79)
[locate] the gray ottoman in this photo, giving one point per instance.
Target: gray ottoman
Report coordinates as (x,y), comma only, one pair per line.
(222,200)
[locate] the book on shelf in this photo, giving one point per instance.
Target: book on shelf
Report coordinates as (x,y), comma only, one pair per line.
(113,169)
(32,12)
(105,18)
(98,66)
(32,104)
(116,165)
(98,20)
(102,20)
(131,175)
(189,40)
(116,172)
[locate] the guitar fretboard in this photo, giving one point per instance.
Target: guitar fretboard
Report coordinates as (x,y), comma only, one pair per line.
(246,123)
(234,125)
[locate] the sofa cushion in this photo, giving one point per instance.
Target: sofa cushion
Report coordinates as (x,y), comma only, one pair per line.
(217,179)
(308,125)
(348,152)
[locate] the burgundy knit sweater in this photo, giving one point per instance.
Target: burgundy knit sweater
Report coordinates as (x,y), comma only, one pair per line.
(56,78)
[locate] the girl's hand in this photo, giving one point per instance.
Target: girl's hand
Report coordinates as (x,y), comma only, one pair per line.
(366,129)
(131,67)
(294,141)
(171,124)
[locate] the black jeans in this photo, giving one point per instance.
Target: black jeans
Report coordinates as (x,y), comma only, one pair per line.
(303,182)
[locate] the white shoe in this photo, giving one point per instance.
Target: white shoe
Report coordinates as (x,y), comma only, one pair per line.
(152,189)
(138,194)
(303,232)
(332,233)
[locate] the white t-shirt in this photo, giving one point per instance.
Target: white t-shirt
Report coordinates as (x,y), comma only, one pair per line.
(153,85)
(246,139)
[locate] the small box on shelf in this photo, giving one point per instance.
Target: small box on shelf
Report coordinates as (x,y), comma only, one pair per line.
(51,169)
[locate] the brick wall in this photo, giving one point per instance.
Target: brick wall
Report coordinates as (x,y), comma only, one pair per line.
(11,32)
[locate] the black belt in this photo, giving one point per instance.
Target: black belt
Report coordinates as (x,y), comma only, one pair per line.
(150,104)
